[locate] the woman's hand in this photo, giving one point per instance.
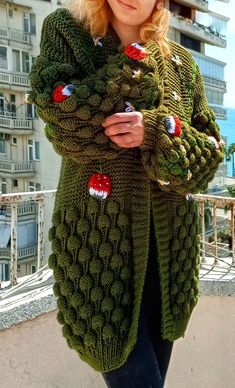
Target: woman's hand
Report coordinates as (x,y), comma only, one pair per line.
(126,130)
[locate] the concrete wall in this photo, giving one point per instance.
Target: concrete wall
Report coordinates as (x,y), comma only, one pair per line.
(34,354)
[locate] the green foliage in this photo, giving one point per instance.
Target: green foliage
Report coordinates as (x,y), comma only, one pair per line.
(231,190)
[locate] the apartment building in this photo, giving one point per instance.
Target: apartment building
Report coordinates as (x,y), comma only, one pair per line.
(195,25)
(27,162)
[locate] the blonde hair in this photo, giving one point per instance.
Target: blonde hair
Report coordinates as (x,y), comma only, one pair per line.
(96,16)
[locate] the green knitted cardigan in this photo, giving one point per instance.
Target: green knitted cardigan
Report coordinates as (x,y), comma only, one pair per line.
(100,247)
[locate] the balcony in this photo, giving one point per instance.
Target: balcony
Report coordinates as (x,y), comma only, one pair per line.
(220,111)
(204,357)
(22,254)
(17,169)
(14,80)
(215,83)
(197,31)
(16,125)
(15,35)
(200,5)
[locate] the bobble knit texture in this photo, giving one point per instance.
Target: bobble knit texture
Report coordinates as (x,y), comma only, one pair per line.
(100,248)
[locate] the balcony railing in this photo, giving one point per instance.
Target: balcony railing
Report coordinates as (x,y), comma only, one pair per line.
(215,83)
(16,123)
(14,79)
(17,168)
(198,31)
(23,253)
(15,35)
(217,216)
(221,112)
(200,5)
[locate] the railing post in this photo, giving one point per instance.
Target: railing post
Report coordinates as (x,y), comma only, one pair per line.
(215,230)
(13,263)
(233,231)
(203,234)
(41,204)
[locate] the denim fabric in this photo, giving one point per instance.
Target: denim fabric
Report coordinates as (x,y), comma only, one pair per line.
(147,364)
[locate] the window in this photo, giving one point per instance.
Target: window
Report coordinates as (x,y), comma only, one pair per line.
(25,62)
(4,186)
(14,140)
(30,150)
(31,186)
(3,58)
(4,272)
(33,268)
(33,150)
(2,146)
(20,61)
(34,186)
(2,105)
(15,182)
(190,43)
(29,110)
(16,66)
(12,105)
(10,13)
(37,150)
(30,23)
(214,97)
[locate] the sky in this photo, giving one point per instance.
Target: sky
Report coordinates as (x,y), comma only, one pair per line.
(226,55)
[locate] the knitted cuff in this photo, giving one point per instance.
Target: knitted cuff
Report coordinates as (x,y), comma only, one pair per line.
(181,159)
(152,120)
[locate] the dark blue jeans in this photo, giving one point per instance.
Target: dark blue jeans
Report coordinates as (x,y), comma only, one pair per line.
(147,364)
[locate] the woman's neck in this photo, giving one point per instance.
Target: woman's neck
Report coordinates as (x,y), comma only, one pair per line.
(127,34)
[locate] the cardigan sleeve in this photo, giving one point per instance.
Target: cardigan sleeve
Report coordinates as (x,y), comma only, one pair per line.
(182,156)
(74,125)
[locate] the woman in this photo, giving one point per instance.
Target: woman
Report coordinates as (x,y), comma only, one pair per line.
(126,109)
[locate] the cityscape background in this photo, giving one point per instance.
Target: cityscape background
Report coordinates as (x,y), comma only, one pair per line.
(28,162)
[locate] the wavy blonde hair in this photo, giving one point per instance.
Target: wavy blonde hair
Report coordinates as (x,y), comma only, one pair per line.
(96,16)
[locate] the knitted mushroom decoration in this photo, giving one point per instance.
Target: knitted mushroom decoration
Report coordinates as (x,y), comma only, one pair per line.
(62,92)
(99,186)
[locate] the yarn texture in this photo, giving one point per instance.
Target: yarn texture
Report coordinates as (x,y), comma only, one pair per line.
(101,219)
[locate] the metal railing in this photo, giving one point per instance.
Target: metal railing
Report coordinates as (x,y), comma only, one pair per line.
(192,28)
(215,82)
(217,215)
(217,237)
(200,5)
(221,112)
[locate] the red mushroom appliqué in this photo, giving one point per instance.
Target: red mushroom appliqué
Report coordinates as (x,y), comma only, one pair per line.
(135,51)
(62,92)
(99,186)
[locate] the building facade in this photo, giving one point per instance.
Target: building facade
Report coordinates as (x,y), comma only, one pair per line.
(194,25)
(27,162)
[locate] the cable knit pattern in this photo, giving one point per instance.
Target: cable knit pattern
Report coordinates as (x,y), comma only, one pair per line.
(100,243)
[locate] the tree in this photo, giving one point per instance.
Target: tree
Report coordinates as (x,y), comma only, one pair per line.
(231,190)
(230,155)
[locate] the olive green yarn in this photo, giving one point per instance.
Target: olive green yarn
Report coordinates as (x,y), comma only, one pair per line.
(100,248)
